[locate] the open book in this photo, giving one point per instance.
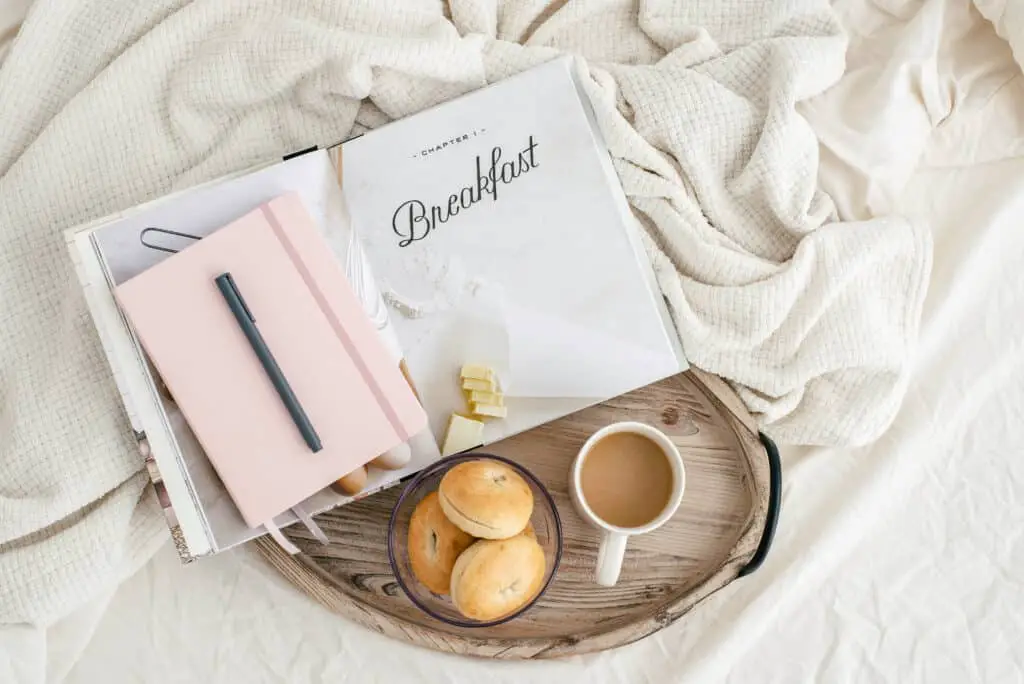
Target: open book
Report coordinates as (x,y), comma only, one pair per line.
(478,231)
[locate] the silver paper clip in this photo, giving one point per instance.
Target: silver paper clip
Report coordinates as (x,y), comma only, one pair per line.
(164,231)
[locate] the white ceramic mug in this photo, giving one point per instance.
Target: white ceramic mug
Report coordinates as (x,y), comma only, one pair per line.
(613,538)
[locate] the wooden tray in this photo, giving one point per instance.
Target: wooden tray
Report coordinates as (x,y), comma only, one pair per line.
(722,531)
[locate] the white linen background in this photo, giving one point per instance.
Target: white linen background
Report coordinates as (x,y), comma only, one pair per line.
(108,103)
(895,562)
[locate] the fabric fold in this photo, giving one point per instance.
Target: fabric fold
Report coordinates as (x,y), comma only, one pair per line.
(109,103)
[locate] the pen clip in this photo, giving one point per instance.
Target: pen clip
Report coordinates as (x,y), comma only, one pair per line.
(226,276)
(163,231)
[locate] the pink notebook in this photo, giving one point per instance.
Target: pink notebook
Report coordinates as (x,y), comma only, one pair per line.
(347,383)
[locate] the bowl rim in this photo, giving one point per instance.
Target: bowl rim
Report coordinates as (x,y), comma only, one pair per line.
(415,483)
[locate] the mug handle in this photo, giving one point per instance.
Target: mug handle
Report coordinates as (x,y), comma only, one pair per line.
(609,558)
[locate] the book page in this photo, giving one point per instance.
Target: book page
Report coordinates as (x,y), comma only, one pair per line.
(500,235)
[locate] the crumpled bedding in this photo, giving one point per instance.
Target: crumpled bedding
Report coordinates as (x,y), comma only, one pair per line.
(116,102)
(895,562)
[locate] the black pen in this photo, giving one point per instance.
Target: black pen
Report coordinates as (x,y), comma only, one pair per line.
(247,322)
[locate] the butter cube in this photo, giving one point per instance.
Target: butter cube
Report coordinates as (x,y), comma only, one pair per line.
(474,371)
(471,385)
(491,398)
(463,433)
(488,410)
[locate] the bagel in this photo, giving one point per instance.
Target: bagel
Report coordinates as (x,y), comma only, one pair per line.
(434,544)
(495,577)
(486,499)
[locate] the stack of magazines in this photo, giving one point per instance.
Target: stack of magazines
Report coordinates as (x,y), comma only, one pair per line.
(490,229)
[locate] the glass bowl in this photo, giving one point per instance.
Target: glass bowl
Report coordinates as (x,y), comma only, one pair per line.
(546,524)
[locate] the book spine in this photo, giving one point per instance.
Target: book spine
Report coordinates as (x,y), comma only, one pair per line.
(187,526)
(105,343)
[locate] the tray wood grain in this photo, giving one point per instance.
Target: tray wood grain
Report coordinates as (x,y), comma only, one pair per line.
(713,535)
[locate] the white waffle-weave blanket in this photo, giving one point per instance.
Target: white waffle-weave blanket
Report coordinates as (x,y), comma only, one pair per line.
(106,103)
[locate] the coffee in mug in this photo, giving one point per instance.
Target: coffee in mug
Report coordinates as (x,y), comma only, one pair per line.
(627,479)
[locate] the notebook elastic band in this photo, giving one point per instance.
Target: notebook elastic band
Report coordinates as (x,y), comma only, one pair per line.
(339,329)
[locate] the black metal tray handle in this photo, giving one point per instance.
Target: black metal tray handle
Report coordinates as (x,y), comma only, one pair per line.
(771,521)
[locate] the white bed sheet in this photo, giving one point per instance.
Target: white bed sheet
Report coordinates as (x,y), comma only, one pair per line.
(898,562)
